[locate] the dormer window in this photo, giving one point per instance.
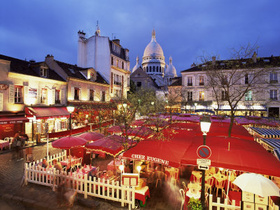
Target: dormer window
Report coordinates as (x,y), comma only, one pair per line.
(43,72)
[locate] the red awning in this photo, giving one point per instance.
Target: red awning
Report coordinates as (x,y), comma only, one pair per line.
(234,154)
(47,112)
(13,120)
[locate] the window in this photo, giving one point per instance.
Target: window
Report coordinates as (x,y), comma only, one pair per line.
(246,78)
(117,79)
(43,72)
(77,94)
(201,95)
(224,80)
(224,95)
(190,96)
(248,96)
(112,61)
(57,96)
(91,95)
(139,84)
(189,81)
(273,77)
(201,80)
(102,95)
(44,95)
(122,65)
(273,94)
(18,94)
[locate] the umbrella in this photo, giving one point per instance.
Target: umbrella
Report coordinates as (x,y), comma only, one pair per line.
(68,142)
(256,184)
(91,136)
(111,145)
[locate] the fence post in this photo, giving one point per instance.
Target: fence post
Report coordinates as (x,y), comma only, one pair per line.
(85,185)
(210,201)
(25,174)
(122,195)
(54,179)
(133,197)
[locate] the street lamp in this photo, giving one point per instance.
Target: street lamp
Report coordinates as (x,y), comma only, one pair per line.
(70,109)
(205,124)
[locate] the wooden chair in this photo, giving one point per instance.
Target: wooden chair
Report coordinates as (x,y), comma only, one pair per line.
(209,183)
(220,186)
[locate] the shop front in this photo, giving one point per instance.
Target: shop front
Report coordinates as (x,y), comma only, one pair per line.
(45,120)
(10,125)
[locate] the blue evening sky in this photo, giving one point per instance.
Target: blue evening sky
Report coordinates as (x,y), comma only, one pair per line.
(185,29)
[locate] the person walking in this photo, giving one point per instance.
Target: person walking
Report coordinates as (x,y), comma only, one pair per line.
(17,140)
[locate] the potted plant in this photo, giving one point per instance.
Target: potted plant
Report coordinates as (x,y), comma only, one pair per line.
(194,204)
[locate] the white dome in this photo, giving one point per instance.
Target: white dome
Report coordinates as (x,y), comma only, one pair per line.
(170,70)
(153,48)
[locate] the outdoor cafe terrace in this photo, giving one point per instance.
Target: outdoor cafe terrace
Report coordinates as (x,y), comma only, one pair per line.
(171,157)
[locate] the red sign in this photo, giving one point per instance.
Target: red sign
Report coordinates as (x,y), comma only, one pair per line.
(203,151)
(3,87)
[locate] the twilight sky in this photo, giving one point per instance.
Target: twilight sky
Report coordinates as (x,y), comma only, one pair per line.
(185,29)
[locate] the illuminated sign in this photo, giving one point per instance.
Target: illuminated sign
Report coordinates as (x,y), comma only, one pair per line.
(149,158)
(3,87)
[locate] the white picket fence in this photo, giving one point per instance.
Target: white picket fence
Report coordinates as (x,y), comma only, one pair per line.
(101,188)
(224,205)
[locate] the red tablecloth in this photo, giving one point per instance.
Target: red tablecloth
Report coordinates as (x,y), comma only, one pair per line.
(142,194)
(69,162)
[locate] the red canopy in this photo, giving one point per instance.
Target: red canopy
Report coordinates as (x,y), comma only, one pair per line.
(163,152)
(115,129)
(68,142)
(235,154)
(111,145)
(142,132)
(91,136)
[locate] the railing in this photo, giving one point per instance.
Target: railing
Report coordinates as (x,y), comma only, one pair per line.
(102,188)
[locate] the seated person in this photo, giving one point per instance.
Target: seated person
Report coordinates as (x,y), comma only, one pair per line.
(45,163)
(57,165)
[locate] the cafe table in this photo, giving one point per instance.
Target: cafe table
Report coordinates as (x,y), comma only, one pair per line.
(70,162)
(4,144)
(142,194)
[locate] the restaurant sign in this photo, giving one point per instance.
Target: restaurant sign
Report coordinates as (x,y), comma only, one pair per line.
(149,158)
(3,87)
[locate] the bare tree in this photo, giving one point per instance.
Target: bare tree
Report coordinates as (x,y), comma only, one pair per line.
(233,80)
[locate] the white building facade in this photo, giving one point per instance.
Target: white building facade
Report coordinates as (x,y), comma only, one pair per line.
(262,100)
(107,57)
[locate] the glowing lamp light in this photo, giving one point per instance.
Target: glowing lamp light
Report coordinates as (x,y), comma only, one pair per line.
(70,109)
(205,124)
(138,169)
(121,167)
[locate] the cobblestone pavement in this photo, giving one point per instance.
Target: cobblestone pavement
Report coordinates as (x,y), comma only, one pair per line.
(34,196)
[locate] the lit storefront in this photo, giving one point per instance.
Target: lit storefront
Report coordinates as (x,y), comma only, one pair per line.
(45,120)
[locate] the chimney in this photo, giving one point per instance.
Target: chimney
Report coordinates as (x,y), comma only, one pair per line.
(81,34)
(254,57)
(117,41)
(213,60)
(49,57)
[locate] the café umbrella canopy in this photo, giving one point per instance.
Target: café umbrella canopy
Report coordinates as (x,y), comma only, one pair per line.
(91,136)
(69,142)
(257,184)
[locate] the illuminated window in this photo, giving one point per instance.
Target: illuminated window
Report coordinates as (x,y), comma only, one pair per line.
(248,96)
(201,80)
(18,94)
(201,95)
(57,96)
(44,95)
(91,95)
